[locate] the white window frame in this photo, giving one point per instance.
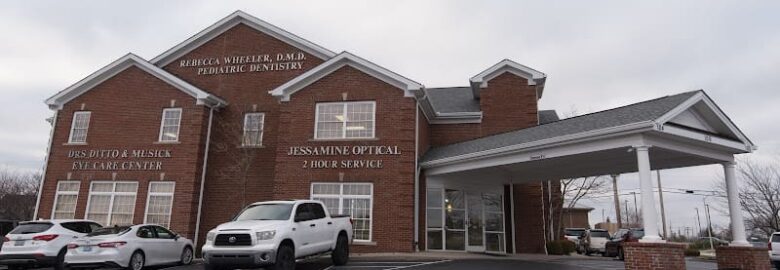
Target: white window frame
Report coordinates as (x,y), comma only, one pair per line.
(149,195)
(341,198)
(113,194)
(162,125)
(260,129)
(58,193)
(73,126)
(344,123)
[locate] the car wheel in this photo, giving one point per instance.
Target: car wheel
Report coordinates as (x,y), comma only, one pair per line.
(285,259)
(621,256)
(340,256)
(186,256)
(137,261)
(59,264)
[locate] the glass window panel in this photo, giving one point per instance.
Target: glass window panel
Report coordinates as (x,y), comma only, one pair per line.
(355,201)
(126,187)
(102,187)
(169,129)
(433,196)
(434,218)
(492,202)
(161,187)
(494,222)
(494,242)
(455,219)
(78,132)
(456,240)
(454,199)
(434,240)
(68,186)
(331,189)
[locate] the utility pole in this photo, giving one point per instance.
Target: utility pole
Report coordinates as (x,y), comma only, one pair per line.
(709,224)
(617,201)
(698,222)
(636,210)
(661,198)
(628,222)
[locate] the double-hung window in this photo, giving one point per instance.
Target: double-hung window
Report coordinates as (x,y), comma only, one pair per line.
(79,127)
(112,203)
(159,203)
(65,200)
(353,199)
(345,120)
(169,125)
(253,129)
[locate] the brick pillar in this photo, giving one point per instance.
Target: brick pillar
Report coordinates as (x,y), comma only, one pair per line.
(744,258)
(643,255)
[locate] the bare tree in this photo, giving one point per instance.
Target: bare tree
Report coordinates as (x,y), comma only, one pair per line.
(575,189)
(230,142)
(18,193)
(759,195)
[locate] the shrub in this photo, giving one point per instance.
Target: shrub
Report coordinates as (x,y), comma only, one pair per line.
(560,247)
(568,247)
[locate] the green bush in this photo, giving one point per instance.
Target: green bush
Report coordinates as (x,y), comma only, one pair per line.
(692,252)
(560,247)
(568,247)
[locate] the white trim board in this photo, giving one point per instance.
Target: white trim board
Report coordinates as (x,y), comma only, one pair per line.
(57,101)
(229,22)
(533,76)
(284,91)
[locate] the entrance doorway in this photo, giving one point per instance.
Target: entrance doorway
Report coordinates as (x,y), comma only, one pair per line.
(465,220)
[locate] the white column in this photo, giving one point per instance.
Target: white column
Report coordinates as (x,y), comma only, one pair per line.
(735,211)
(649,213)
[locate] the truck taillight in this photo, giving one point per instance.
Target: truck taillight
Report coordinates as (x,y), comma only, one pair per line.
(45,237)
(112,244)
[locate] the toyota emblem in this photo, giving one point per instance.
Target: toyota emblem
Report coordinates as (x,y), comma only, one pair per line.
(232,239)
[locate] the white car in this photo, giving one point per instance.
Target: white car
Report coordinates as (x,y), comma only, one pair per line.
(594,241)
(131,247)
(42,243)
(274,234)
(774,249)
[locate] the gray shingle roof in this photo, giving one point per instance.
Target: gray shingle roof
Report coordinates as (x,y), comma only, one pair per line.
(452,99)
(634,113)
(548,116)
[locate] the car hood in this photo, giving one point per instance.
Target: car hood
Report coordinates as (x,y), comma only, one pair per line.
(250,225)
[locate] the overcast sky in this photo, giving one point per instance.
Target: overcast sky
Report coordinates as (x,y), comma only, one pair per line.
(597,55)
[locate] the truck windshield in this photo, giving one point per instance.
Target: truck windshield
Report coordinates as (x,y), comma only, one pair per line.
(266,212)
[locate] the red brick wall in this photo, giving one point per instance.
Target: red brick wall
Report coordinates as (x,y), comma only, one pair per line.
(747,258)
(393,218)
(654,256)
(227,188)
(529,218)
(126,112)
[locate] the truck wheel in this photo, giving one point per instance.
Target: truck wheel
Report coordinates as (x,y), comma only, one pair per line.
(340,255)
(285,259)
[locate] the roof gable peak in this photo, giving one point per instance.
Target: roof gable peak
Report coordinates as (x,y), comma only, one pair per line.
(235,18)
(533,76)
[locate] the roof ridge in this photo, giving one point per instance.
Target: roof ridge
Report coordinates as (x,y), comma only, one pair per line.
(633,104)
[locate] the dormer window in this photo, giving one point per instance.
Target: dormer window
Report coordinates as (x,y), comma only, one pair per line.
(345,120)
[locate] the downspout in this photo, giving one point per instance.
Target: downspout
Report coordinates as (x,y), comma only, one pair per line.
(45,164)
(512,212)
(203,176)
(544,227)
(416,179)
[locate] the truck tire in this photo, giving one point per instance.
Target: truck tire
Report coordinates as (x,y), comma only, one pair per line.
(285,259)
(340,255)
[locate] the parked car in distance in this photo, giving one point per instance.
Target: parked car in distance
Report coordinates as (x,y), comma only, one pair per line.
(131,247)
(574,234)
(614,247)
(274,234)
(774,249)
(594,241)
(42,243)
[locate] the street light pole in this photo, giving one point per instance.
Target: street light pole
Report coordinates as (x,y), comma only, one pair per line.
(617,201)
(628,222)
(709,223)
(698,222)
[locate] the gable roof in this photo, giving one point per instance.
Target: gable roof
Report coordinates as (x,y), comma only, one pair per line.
(452,99)
(229,22)
(548,116)
(58,100)
(533,76)
(638,113)
(284,91)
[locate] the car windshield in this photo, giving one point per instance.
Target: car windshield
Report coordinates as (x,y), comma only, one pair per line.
(28,228)
(573,232)
(266,212)
(109,231)
(604,234)
(776,238)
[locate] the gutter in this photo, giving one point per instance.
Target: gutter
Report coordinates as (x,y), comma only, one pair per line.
(45,164)
(203,177)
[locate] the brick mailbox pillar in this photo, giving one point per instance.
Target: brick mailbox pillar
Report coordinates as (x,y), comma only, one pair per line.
(742,257)
(644,255)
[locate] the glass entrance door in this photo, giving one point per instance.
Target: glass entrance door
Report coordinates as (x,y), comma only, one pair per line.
(475,222)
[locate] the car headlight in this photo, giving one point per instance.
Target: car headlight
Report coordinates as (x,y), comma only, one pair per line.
(210,236)
(265,235)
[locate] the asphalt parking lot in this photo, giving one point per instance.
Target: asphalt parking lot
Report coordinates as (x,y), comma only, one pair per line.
(397,263)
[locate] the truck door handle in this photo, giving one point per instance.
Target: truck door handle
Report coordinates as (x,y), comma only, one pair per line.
(330,223)
(313,225)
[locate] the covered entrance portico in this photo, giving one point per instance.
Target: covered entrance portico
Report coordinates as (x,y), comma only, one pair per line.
(676,131)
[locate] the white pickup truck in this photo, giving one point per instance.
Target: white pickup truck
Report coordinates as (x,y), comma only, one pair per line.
(274,234)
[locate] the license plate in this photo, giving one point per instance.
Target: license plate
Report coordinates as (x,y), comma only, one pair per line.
(87,248)
(19,243)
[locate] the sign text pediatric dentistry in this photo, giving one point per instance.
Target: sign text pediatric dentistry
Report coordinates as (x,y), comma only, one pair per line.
(343,151)
(245,63)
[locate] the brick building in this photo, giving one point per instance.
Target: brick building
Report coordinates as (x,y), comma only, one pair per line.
(244,111)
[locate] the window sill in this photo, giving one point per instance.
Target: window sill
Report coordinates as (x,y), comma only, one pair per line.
(159,142)
(363,243)
(74,143)
(344,140)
